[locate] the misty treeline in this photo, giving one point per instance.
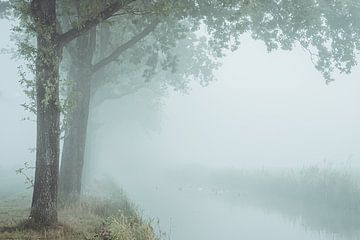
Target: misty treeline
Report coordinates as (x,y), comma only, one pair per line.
(80,53)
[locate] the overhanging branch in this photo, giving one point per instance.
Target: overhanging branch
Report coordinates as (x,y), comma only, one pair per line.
(118,51)
(93,21)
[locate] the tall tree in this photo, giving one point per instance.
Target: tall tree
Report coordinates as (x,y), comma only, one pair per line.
(39,18)
(329,30)
(82,52)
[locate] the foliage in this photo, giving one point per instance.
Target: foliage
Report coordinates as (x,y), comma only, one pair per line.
(4,9)
(328,30)
(314,185)
(24,172)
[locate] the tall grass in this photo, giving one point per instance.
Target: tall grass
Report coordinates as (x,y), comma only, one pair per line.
(323,199)
(313,185)
(93,218)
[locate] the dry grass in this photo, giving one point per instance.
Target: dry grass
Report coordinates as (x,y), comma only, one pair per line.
(90,219)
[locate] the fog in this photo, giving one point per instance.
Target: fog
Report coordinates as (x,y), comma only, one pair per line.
(269,110)
(265,111)
(17,134)
(176,158)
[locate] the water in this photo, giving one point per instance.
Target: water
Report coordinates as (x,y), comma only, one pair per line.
(203,213)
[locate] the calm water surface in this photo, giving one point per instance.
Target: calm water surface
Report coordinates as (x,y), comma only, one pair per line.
(195,212)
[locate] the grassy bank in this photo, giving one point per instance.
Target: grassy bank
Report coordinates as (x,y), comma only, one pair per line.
(112,218)
(313,185)
(321,199)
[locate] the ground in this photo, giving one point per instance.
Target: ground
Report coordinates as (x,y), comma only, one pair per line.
(113,218)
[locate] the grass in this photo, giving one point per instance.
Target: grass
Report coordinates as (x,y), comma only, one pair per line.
(313,185)
(321,199)
(112,218)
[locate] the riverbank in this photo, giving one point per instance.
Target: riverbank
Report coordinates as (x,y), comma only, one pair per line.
(111,218)
(320,199)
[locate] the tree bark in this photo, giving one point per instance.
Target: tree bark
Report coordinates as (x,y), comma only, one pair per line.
(72,159)
(44,201)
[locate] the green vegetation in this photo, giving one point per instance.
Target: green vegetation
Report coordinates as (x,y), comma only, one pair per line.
(314,185)
(321,199)
(112,218)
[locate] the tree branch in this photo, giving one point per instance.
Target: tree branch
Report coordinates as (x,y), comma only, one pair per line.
(70,49)
(116,95)
(118,51)
(93,21)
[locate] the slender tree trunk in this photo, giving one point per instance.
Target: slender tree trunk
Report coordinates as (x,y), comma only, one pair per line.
(91,149)
(72,159)
(44,202)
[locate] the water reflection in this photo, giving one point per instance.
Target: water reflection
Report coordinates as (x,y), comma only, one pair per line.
(320,200)
(195,207)
(334,223)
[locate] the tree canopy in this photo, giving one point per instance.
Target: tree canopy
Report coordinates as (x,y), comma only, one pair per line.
(327,29)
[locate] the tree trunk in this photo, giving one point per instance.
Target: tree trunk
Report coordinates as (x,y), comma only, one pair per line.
(72,159)
(91,150)
(44,201)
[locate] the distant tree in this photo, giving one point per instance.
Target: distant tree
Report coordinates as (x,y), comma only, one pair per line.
(128,59)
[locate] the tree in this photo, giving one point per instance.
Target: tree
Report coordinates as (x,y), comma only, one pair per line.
(40,19)
(279,24)
(329,30)
(4,9)
(147,55)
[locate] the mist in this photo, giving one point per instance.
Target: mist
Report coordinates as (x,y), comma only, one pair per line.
(265,111)
(267,149)
(257,114)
